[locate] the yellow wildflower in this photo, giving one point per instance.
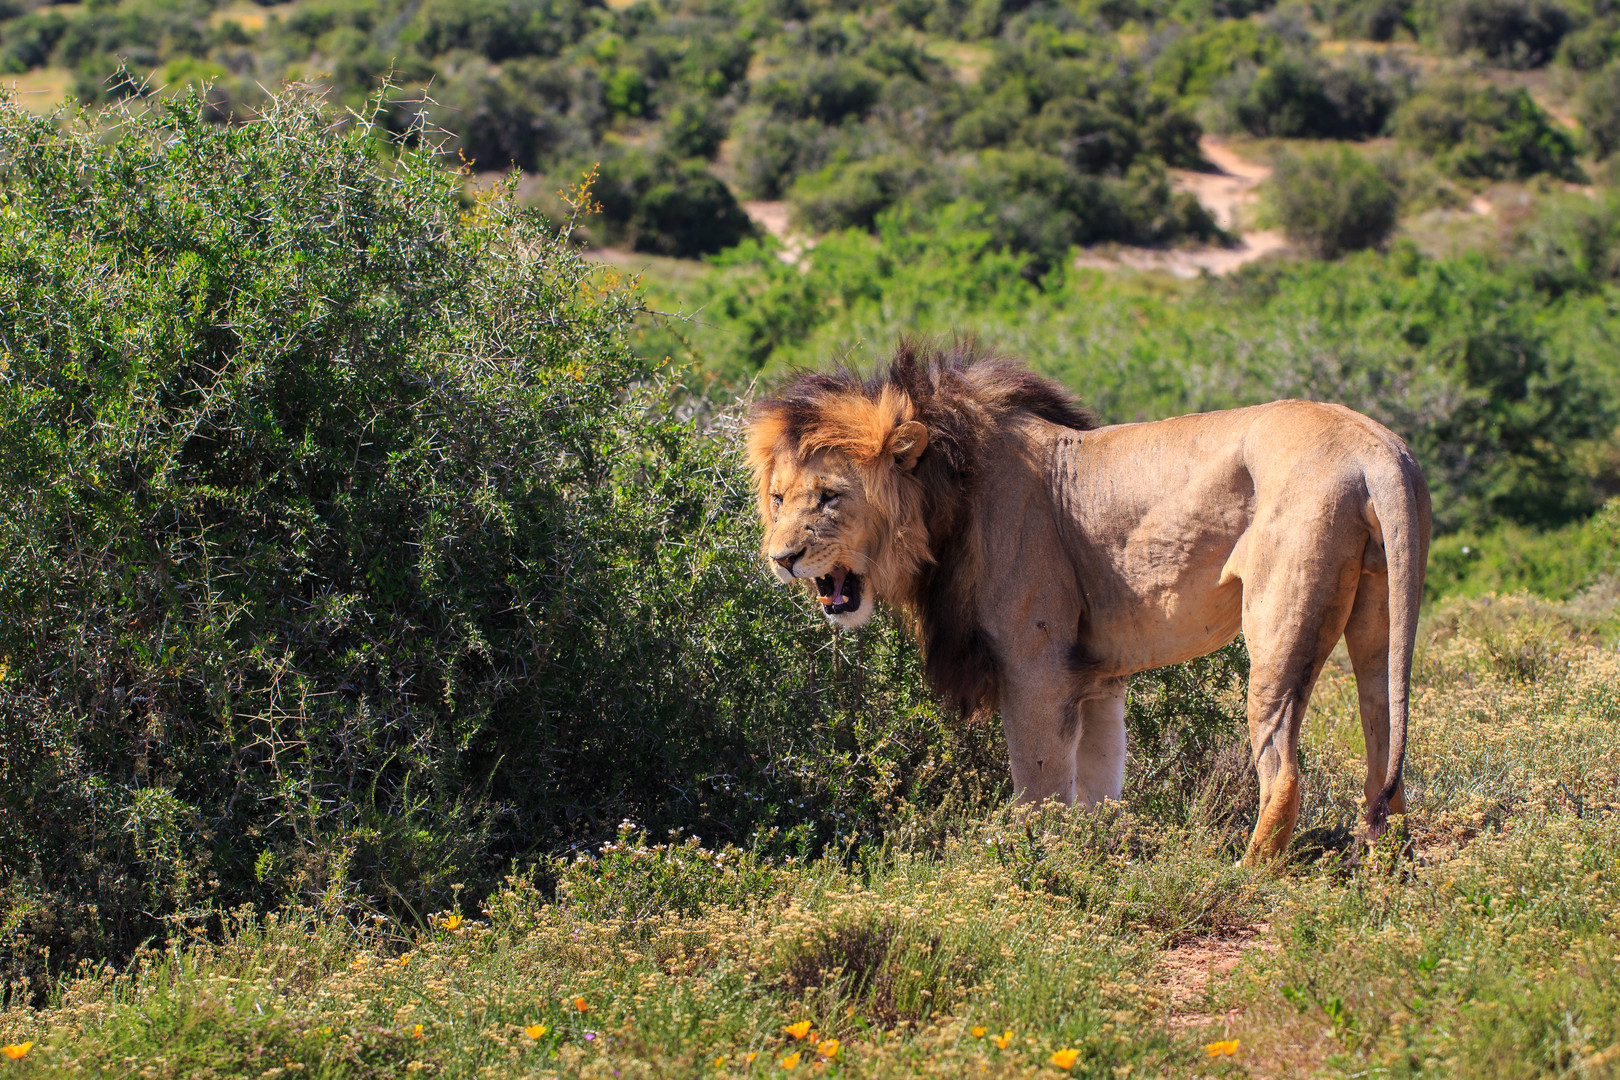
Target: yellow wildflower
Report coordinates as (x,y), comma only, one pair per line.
(16,1050)
(1227,1047)
(1064,1059)
(799,1030)
(791,1061)
(748,1058)
(416,1029)
(828,1048)
(1003,1039)
(720,1062)
(979,1030)
(534,1031)
(452,922)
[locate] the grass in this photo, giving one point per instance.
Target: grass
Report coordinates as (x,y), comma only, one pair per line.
(1479,941)
(39,91)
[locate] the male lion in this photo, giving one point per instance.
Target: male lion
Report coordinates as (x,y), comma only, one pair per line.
(1043,560)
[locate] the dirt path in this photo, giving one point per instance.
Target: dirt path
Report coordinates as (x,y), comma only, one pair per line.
(773,218)
(1225,193)
(1189,970)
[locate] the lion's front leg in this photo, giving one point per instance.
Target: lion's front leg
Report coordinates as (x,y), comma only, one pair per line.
(1042,723)
(1100,756)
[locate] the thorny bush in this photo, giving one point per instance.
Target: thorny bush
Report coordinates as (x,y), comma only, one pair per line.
(348,556)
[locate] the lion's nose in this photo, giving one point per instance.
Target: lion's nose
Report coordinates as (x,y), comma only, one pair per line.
(786,561)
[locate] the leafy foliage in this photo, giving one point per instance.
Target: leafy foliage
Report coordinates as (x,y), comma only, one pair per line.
(1299,96)
(659,204)
(343,559)
(1332,201)
(350,554)
(1486,133)
(1509,33)
(1499,373)
(1600,111)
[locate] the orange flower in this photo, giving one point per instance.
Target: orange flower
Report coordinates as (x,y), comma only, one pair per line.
(791,1061)
(748,1058)
(16,1050)
(1064,1059)
(799,1030)
(979,1030)
(1227,1048)
(452,922)
(1003,1039)
(416,1030)
(579,1003)
(720,1062)
(829,1048)
(534,1031)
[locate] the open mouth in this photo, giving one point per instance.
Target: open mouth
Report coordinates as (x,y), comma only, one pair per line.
(839,591)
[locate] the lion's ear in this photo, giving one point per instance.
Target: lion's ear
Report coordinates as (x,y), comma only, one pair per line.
(910,439)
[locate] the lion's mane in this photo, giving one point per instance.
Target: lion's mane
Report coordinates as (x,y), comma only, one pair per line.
(965,399)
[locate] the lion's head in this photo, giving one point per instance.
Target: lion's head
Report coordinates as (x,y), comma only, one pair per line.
(839,502)
(866,490)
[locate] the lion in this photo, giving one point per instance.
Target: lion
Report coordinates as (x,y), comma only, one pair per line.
(1041,560)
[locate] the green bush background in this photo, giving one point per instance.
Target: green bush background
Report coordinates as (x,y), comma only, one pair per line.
(348,555)
(360,540)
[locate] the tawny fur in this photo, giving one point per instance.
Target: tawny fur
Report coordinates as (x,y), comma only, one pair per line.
(1042,561)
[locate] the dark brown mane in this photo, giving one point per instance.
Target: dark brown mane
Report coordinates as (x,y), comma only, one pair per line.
(963,397)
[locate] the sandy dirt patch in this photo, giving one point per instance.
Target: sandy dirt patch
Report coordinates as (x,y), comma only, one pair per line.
(773,218)
(1190,971)
(1225,193)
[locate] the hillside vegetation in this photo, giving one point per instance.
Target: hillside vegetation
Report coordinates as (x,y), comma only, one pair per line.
(388,681)
(988,944)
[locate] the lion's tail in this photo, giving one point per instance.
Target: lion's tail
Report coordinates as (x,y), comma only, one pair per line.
(1399,499)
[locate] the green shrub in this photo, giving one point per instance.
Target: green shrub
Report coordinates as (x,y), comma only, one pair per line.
(1055,94)
(1033,204)
(653,203)
(693,127)
(1300,97)
(1486,133)
(1509,33)
(1571,245)
(824,90)
(1331,201)
(1599,111)
(1372,20)
(1555,563)
(850,195)
(1590,47)
(26,42)
(496,29)
(772,152)
(1191,65)
(527,112)
(341,560)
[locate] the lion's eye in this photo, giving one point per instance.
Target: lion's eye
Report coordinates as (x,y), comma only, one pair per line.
(776,498)
(829,497)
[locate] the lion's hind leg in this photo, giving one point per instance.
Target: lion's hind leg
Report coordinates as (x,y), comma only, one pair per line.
(1290,623)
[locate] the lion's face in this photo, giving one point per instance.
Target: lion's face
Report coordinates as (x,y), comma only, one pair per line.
(821,529)
(839,500)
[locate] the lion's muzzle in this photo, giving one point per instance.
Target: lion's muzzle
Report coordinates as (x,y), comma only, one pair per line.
(839,591)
